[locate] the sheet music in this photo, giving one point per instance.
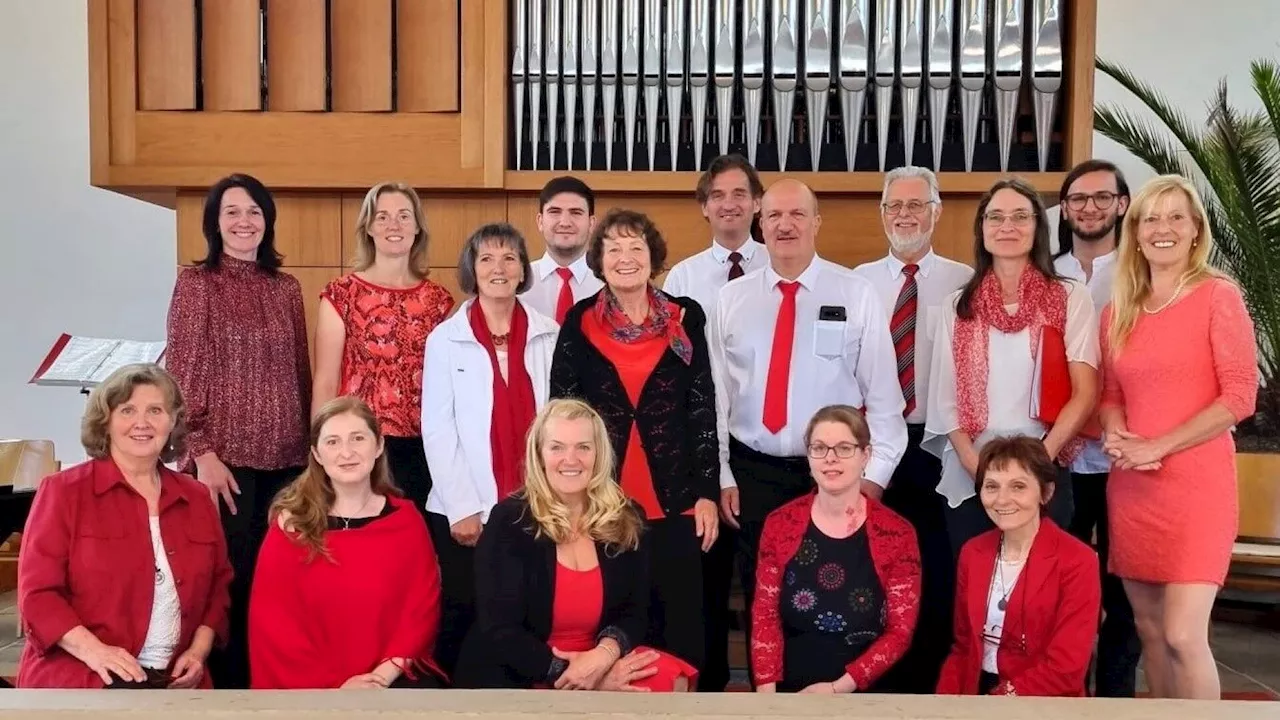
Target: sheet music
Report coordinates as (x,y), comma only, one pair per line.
(85,361)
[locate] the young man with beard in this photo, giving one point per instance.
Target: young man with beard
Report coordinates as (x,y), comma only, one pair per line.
(729,193)
(566,216)
(1092,202)
(911,282)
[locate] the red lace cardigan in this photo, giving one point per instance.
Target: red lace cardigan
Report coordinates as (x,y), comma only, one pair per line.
(896,556)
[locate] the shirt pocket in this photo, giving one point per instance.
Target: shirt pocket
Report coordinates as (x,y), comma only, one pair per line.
(104,555)
(194,565)
(829,338)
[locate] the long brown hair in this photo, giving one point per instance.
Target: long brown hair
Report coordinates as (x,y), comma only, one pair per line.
(305,502)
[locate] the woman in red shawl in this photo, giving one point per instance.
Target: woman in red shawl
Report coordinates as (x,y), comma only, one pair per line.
(347,590)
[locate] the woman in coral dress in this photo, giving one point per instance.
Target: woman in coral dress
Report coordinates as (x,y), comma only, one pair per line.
(1180,370)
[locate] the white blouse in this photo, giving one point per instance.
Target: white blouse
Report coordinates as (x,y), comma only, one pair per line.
(1003,580)
(1010,376)
(166,614)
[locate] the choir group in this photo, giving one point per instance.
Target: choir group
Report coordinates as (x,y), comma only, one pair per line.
(1012,478)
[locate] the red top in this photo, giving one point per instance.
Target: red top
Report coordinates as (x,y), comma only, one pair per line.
(237,344)
(896,557)
(386,335)
(87,559)
(576,609)
(316,623)
(634,363)
(1050,623)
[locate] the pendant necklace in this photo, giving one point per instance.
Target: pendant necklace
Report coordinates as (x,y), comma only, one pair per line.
(346,521)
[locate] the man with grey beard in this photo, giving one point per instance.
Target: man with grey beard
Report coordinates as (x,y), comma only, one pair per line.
(912,281)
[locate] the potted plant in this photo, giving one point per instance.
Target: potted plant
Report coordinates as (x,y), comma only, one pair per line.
(1235,162)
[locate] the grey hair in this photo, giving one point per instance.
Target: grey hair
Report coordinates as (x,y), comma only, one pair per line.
(502,234)
(913,171)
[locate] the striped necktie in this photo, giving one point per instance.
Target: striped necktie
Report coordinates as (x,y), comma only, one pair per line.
(902,326)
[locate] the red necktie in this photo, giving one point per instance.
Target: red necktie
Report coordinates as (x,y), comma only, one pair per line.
(775,389)
(736,271)
(565,301)
(902,326)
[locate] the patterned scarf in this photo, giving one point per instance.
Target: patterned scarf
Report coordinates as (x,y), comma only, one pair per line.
(659,323)
(1041,302)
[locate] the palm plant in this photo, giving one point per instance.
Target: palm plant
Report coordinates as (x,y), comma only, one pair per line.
(1235,162)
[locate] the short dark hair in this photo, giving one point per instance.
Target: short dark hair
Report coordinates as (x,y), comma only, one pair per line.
(268,259)
(567,184)
(722,165)
(635,223)
(1066,239)
(502,234)
(1027,453)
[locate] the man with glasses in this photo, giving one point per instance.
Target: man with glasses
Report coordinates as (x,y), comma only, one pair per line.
(911,281)
(1092,202)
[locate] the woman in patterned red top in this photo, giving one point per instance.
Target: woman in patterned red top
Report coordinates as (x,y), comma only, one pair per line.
(838,576)
(373,324)
(238,348)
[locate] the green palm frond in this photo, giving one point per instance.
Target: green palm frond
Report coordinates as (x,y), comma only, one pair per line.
(1234,159)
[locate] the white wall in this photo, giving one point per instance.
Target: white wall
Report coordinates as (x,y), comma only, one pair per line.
(73,258)
(86,261)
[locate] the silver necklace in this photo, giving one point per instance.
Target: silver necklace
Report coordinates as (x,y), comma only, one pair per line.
(1176,292)
(346,521)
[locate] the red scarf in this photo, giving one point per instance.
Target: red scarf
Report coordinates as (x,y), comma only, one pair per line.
(513,403)
(659,322)
(1041,302)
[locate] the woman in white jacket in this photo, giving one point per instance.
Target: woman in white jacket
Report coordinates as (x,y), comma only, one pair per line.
(486,372)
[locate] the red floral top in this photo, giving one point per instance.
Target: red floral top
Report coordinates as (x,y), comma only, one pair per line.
(896,556)
(386,334)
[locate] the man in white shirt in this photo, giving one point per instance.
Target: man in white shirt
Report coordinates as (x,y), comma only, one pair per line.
(1092,204)
(729,194)
(566,217)
(912,282)
(839,352)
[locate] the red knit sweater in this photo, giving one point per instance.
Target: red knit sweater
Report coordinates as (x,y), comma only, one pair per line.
(317,623)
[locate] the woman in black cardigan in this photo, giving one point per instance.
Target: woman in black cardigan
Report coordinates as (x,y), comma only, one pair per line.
(639,357)
(562,588)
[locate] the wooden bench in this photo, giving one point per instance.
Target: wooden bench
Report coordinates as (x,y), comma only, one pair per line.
(1255,559)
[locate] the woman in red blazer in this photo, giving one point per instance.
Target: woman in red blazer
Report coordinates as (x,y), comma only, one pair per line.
(838,575)
(123,574)
(346,593)
(1028,595)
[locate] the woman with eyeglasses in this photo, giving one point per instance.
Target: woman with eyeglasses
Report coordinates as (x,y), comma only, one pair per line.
(838,575)
(1028,594)
(996,344)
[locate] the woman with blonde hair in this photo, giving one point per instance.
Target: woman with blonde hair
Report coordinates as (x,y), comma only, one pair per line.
(562,581)
(372,328)
(1180,369)
(347,592)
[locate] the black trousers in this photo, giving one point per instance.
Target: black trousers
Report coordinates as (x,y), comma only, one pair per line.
(717,587)
(457,590)
(408,462)
(765,483)
(229,665)
(913,494)
(675,602)
(1119,649)
(970,520)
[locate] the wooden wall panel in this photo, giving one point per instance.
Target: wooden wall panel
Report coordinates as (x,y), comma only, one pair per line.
(313,280)
(166,31)
(427,42)
(360,37)
(1078,76)
(296,36)
(231,53)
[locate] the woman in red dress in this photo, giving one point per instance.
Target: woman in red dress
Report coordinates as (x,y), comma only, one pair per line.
(562,573)
(1180,370)
(372,327)
(1028,593)
(347,591)
(838,576)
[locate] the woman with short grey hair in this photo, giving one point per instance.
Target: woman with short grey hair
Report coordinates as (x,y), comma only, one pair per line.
(487,371)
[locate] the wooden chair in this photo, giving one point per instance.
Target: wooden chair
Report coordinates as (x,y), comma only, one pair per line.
(1255,560)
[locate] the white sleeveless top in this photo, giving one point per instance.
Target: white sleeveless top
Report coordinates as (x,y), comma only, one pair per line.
(166,615)
(1003,581)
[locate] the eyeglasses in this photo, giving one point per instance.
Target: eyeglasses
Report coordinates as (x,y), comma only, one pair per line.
(818,451)
(1020,219)
(915,207)
(1101,200)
